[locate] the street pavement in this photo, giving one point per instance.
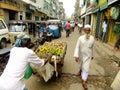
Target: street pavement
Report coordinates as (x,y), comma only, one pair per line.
(108,49)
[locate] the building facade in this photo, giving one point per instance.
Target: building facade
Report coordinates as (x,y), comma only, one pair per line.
(28,9)
(9,9)
(61,11)
(95,12)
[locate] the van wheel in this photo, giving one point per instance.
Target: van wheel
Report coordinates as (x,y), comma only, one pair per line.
(3,43)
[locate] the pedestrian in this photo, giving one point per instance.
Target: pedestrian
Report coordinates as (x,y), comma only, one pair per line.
(20,57)
(68,27)
(80,26)
(84,53)
(41,30)
(60,28)
(104,27)
(72,26)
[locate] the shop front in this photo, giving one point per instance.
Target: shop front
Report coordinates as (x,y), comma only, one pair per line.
(9,10)
(95,9)
(102,4)
(30,12)
(114,20)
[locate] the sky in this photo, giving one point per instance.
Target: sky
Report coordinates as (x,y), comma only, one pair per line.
(68,6)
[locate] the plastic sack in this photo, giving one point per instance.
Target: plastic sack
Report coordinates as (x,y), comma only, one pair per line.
(28,72)
(46,71)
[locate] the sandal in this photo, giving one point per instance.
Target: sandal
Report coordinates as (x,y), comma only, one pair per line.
(84,84)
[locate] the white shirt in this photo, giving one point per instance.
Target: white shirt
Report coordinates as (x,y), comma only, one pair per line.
(12,77)
(84,50)
(80,25)
(104,27)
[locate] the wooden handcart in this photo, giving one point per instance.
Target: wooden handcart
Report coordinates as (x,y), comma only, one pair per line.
(58,51)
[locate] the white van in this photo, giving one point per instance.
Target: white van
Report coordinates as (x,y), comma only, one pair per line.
(4,34)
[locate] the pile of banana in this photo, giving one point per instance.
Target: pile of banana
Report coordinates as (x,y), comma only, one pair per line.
(54,48)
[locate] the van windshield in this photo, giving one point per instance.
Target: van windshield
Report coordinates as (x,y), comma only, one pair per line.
(17,28)
(2,26)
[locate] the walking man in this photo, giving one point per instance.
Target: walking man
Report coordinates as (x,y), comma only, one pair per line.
(68,26)
(84,53)
(104,26)
(80,26)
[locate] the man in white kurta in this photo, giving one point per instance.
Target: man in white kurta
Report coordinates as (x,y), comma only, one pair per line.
(12,76)
(84,52)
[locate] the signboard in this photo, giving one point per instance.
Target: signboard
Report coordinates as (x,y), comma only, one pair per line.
(32,7)
(103,4)
(93,3)
(81,3)
(2,16)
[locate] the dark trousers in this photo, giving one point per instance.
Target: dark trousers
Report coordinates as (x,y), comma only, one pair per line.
(67,33)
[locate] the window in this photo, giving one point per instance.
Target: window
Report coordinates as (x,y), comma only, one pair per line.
(2,26)
(33,1)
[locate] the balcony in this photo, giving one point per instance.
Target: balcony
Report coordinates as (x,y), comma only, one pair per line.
(13,3)
(33,1)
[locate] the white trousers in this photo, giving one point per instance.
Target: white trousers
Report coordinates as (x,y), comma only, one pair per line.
(84,75)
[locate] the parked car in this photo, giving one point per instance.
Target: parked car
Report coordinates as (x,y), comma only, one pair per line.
(4,34)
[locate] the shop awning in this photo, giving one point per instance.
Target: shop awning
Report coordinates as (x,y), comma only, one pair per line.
(103,7)
(111,1)
(88,13)
(31,7)
(96,9)
(9,7)
(83,15)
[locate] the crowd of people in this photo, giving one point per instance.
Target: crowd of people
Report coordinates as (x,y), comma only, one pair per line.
(45,29)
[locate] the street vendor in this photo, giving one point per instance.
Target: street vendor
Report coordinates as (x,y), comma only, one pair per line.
(20,57)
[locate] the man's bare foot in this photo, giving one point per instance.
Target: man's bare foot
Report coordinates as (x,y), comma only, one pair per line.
(84,84)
